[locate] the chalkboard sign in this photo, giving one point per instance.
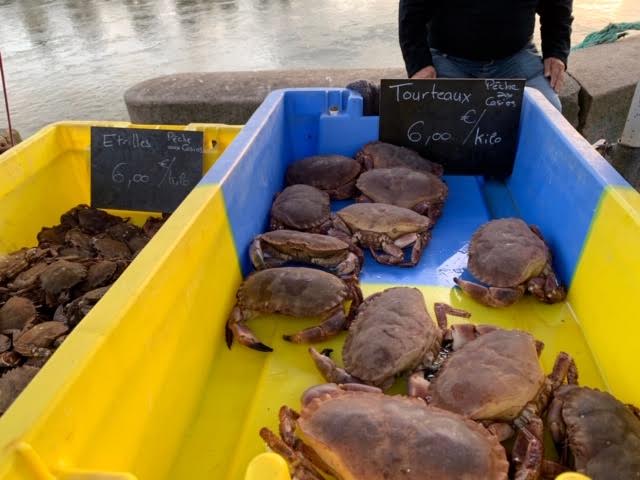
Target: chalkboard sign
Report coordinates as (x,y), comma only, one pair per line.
(469,126)
(147,170)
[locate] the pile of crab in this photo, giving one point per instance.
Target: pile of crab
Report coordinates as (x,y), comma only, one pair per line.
(46,290)
(477,405)
(477,401)
(308,263)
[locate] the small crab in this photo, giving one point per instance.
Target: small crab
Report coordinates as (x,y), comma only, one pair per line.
(153,224)
(386,155)
(12,383)
(76,310)
(379,226)
(510,257)
(301,207)
(101,273)
(422,192)
(334,174)
(36,341)
(107,247)
(277,248)
(16,313)
(61,276)
(5,139)
(12,264)
(28,278)
(496,378)
(296,292)
(391,334)
(356,432)
(595,433)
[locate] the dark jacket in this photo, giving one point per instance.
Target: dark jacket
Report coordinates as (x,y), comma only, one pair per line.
(481,29)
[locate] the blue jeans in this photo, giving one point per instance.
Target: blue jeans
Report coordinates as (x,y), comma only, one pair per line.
(527,63)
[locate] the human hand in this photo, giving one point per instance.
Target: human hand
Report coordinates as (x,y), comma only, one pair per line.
(424,73)
(554,68)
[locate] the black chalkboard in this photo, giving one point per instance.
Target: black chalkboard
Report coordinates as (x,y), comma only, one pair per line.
(140,169)
(470,126)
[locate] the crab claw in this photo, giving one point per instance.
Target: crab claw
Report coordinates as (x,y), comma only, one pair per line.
(491,296)
(236,328)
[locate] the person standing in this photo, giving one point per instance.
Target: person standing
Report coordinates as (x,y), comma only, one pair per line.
(487,39)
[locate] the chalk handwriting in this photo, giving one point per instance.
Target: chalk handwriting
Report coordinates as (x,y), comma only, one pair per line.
(415,134)
(403,94)
(134,140)
(475,126)
(169,177)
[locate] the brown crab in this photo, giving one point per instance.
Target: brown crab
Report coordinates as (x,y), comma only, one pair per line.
(386,155)
(74,311)
(510,257)
(334,174)
(422,192)
(388,228)
(595,433)
(296,292)
(5,139)
(355,432)
(61,276)
(496,378)
(301,207)
(12,383)
(16,313)
(279,247)
(391,334)
(37,341)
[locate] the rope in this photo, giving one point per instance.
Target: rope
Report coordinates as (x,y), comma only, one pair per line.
(609,34)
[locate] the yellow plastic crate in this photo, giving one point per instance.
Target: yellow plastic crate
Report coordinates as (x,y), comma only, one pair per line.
(41,178)
(49,173)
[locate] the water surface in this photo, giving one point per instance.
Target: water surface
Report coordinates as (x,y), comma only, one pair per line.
(73,59)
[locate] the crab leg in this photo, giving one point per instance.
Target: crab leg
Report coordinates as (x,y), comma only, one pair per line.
(528,451)
(418,386)
(491,296)
(329,370)
(333,325)
(237,328)
(416,251)
(546,287)
(443,309)
(564,367)
(303,469)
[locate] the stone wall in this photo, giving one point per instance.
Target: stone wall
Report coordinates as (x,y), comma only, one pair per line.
(595,98)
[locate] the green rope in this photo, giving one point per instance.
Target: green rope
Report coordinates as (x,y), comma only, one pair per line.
(609,34)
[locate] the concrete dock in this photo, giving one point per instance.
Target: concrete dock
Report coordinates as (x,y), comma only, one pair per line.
(595,98)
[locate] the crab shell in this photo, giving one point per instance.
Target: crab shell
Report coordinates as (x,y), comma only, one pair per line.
(392,333)
(490,378)
(301,207)
(293,291)
(12,383)
(16,313)
(402,187)
(506,253)
(384,219)
(302,243)
(335,174)
(386,155)
(602,433)
(373,436)
(61,275)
